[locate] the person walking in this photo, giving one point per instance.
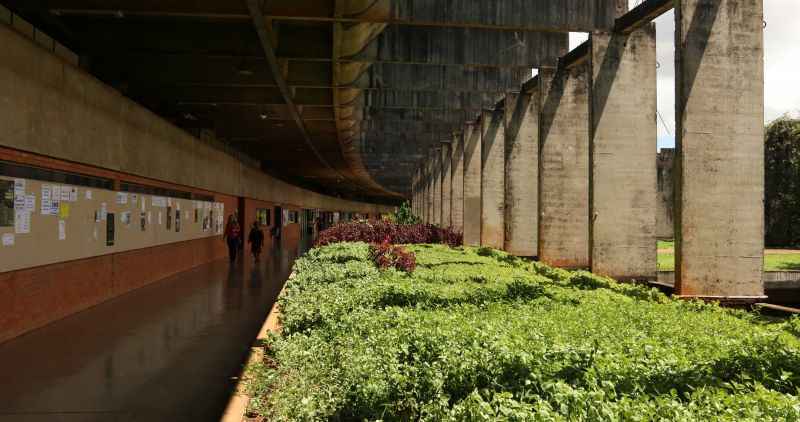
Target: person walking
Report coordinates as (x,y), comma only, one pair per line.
(256,239)
(233,235)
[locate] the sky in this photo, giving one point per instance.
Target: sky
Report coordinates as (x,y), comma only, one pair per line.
(781,64)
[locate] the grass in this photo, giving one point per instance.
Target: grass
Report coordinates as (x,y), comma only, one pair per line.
(475,334)
(772,261)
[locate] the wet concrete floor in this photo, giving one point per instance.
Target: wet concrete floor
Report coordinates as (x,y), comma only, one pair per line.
(167,352)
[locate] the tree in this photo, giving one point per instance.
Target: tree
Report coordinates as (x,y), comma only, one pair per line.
(782,182)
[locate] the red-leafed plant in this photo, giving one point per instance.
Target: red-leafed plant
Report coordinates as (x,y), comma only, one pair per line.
(385,255)
(379,231)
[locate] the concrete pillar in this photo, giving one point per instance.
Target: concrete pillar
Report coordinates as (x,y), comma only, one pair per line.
(622,207)
(564,167)
(719,187)
(492,179)
(522,174)
(436,171)
(428,190)
(457,186)
(665,204)
(472,185)
(447,184)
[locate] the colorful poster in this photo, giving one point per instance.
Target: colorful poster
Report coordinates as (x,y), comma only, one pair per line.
(63,211)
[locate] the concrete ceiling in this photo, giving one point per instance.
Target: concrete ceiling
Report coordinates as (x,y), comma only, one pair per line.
(343,96)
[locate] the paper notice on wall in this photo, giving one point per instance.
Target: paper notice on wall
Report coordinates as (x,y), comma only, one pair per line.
(88,194)
(73,194)
(134,199)
(143,202)
(169,202)
(22,222)
(65,193)
(149,217)
(19,187)
(8,239)
(178,205)
(55,199)
(63,210)
(62,230)
(103,211)
(47,206)
(125,218)
(94,233)
(30,203)
(159,218)
(122,198)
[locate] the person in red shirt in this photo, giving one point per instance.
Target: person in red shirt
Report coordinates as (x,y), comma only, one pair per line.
(233,236)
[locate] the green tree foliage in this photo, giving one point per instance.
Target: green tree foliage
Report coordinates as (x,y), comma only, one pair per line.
(404,215)
(782,182)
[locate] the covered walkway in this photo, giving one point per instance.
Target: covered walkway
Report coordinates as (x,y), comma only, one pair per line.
(169,351)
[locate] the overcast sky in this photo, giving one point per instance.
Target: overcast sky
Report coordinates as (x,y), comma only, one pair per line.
(781,61)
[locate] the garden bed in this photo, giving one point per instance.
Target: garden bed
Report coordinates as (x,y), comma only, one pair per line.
(474,334)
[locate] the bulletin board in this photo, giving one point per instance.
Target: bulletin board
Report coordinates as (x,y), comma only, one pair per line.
(50,222)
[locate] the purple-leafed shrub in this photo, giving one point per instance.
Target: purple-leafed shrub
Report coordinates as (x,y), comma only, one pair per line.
(387,256)
(383,231)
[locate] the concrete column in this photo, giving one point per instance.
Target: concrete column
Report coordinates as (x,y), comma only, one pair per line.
(436,171)
(564,168)
(719,186)
(492,179)
(457,189)
(428,190)
(622,236)
(447,183)
(522,174)
(472,185)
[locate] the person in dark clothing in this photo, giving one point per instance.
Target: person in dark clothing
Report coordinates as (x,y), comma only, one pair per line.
(256,239)
(233,236)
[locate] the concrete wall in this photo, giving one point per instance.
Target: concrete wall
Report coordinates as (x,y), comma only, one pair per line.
(472,185)
(50,107)
(564,168)
(492,179)
(623,176)
(457,166)
(521,174)
(720,148)
(665,200)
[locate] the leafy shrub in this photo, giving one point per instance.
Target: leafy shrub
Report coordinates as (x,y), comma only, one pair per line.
(474,334)
(404,215)
(380,231)
(386,255)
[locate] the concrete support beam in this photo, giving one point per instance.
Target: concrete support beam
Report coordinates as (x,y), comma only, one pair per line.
(719,59)
(436,172)
(521,173)
(447,183)
(564,168)
(472,185)
(457,185)
(622,236)
(492,178)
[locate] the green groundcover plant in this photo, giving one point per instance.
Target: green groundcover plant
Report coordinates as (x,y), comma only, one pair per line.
(477,335)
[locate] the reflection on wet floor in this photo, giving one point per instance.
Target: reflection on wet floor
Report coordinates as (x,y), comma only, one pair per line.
(166,352)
